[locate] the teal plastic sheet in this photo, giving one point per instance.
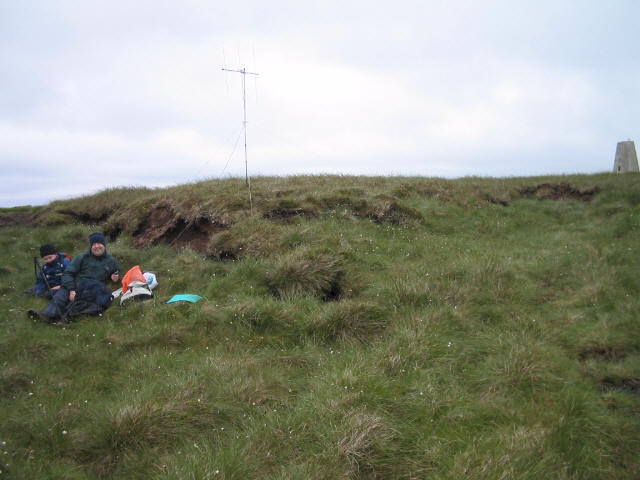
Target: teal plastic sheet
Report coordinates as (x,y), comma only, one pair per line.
(185,297)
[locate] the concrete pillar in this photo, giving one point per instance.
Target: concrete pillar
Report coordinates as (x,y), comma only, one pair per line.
(626,159)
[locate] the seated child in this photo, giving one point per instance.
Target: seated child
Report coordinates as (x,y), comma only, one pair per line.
(55,263)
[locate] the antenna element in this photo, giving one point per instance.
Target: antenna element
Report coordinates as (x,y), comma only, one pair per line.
(244,127)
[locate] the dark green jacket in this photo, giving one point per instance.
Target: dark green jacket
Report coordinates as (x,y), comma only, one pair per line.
(87,266)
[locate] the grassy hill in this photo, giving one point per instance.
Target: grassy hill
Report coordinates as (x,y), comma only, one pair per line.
(351,327)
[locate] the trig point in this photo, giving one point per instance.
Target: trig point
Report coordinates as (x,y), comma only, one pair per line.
(626,159)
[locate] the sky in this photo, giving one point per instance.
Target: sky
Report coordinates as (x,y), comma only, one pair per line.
(104,94)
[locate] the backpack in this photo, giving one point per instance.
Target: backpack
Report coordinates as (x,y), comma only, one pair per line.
(136,290)
(92,297)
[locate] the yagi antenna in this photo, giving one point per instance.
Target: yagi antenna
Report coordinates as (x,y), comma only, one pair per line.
(244,127)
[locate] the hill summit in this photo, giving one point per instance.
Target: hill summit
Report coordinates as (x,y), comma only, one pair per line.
(349,327)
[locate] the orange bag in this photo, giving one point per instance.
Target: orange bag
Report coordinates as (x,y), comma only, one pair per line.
(133,275)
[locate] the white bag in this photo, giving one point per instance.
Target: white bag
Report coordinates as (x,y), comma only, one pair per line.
(152,281)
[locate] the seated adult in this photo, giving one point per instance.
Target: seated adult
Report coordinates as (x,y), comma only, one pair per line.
(49,278)
(84,282)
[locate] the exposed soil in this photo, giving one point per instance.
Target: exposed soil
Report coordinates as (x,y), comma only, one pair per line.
(503,201)
(85,217)
(195,234)
(154,226)
(335,292)
(560,191)
(17,219)
(624,384)
(163,227)
(287,213)
(387,209)
(604,352)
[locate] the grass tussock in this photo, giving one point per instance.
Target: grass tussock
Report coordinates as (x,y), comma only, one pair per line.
(365,437)
(350,327)
(305,273)
(113,434)
(254,237)
(348,320)
(261,316)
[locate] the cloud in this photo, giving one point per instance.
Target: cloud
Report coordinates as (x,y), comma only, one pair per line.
(125,93)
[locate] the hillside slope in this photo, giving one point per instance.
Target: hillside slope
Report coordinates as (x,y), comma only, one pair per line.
(351,327)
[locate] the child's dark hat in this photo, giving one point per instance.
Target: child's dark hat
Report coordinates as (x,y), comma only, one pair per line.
(47,249)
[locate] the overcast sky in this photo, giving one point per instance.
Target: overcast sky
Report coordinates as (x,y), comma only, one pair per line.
(99,94)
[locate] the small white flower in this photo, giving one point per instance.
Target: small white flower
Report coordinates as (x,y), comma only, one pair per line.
(64,432)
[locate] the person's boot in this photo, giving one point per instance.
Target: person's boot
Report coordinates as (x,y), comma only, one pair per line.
(33,315)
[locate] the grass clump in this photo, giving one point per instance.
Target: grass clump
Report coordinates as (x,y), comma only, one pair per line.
(306,273)
(131,427)
(256,237)
(348,320)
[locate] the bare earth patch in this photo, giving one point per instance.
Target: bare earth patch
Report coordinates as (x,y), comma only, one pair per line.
(622,384)
(162,226)
(560,191)
(605,352)
(17,219)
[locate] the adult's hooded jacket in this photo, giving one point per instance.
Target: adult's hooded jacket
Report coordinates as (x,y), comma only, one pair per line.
(87,266)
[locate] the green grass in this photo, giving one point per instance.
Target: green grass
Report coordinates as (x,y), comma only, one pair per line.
(352,327)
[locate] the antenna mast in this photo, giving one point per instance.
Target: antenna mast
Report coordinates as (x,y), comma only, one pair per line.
(244,127)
